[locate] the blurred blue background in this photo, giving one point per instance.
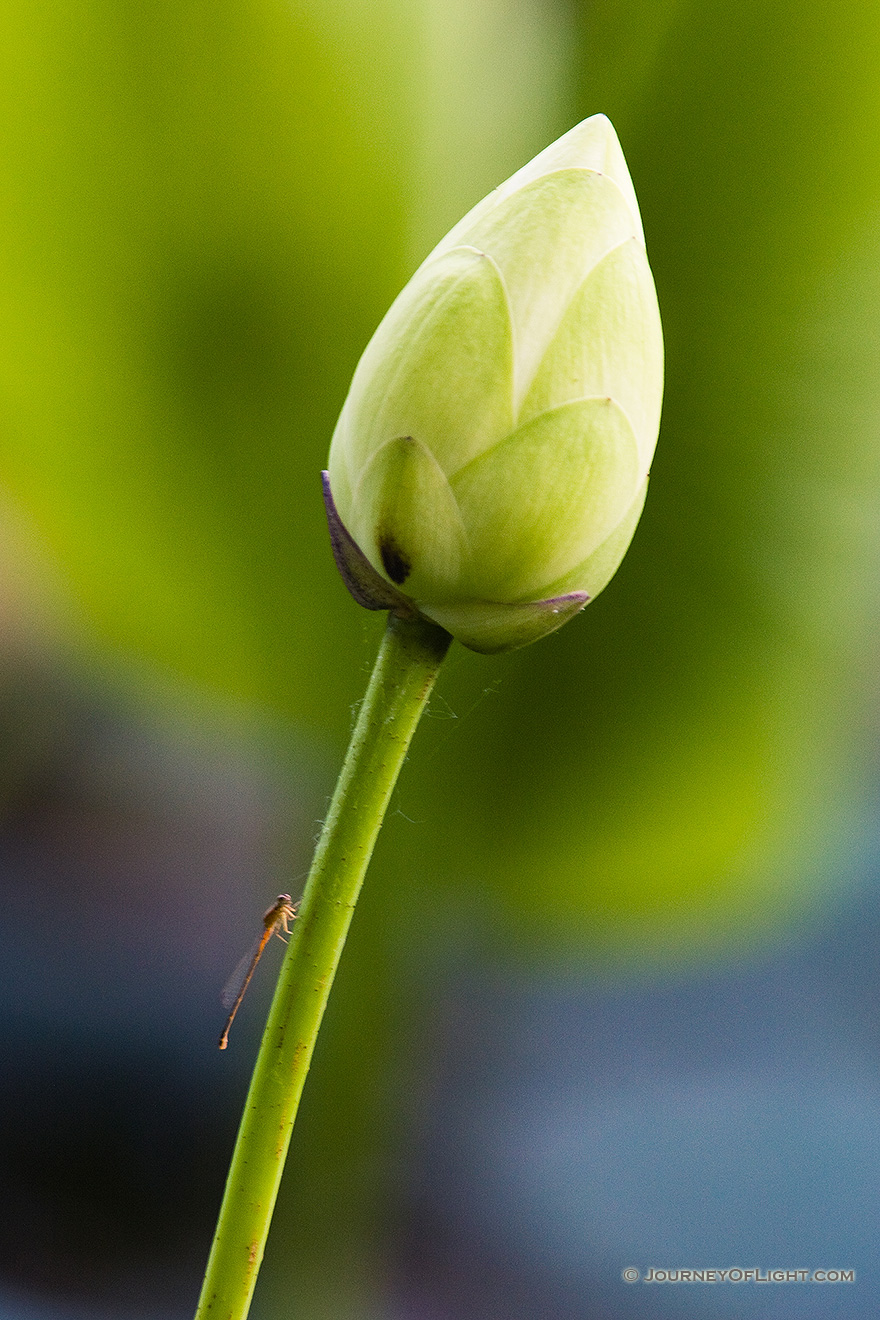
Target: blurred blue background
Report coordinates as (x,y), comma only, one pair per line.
(610,997)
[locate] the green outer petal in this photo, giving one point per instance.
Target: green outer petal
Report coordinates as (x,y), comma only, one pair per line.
(609,343)
(546,498)
(439,367)
(597,570)
(591,144)
(546,238)
(489,627)
(406,521)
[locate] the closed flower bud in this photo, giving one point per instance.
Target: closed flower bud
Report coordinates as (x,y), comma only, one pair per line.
(491,460)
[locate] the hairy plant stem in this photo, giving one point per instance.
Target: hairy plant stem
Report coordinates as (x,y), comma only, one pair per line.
(411,653)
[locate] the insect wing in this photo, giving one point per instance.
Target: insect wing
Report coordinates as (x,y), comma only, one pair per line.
(232,988)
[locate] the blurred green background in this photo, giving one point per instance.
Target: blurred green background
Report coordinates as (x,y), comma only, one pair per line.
(205,209)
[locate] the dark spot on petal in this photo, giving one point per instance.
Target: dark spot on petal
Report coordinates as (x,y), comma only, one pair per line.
(394,561)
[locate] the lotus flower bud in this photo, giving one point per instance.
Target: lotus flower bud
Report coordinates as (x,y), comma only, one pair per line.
(491,460)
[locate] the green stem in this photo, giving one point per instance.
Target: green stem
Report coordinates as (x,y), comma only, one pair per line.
(409,658)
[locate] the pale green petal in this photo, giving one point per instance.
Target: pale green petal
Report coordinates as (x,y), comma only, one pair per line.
(546,498)
(590,145)
(546,238)
(439,368)
(599,568)
(337,465)
(406,521)
(593,145)
(609,343)
(488,627)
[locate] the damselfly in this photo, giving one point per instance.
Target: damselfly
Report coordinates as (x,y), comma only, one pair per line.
(275,919)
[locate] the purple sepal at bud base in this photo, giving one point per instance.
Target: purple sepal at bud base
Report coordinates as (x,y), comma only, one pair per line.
(367,586)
